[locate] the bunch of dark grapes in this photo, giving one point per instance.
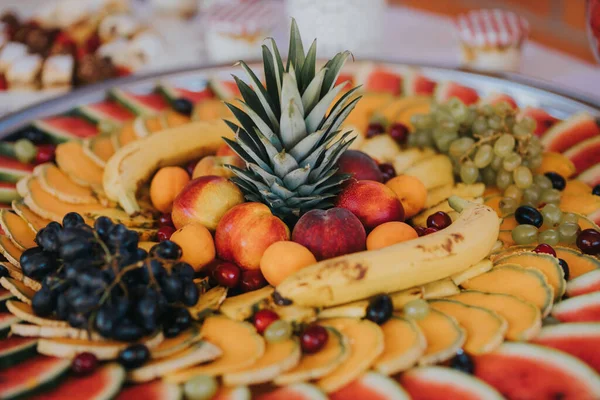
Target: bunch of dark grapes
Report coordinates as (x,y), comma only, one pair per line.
(97,278)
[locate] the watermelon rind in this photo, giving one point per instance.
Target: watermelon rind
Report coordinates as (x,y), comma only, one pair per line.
(131,103)
(561,310)
(49,378)
(172,93)
(591,176)
(92,114)
(12,170)
(15,353)
(155,390)
(60,135)
(304,390)
(443,91)
(556,131)
(381,385)
(409,83)
(6,320)
(8,192)
(26,314)
(584,284)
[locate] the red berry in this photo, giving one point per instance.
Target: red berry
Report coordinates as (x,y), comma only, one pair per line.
(264,318)
(165,220)
(122,71)
(45,153)
(84,363)
(428,231)
(313,339)
(420,230)
(227,274)
(92,44)
(252,279)
(387,170)
(3,83)
(439,220)
(545,248)
(399,132)
(164,233)
(374,129)
(588,241)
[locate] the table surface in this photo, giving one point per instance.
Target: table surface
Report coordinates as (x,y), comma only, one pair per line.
(409,35)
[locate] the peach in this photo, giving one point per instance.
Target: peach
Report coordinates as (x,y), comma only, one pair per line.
(360,165)
(411,192)
(225,150)
(282,259)
(390,233)
(166,185)
(205,200)
(197,245)
(215,165)
(246,231)
(330,233)
(372,202)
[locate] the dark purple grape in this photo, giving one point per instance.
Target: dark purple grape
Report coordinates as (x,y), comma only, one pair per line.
(183,270)
(127,331)
(72,220)
(43,302)
(62,307)
(75,249)
(171,330)
(191,294)
(47,238)
(558,181)
(73,268)
(3,271)
(565,267)
(168,250)
(78,320)
(85,303)
(380,309)
(93,279)
(131,240)
(182,317)
(183,106)
(117,234)
(153,268)
(38,265)
(172,288)
(103,226)
(68,235)
(462,362)
(141,254)
(106,320)
(134,356)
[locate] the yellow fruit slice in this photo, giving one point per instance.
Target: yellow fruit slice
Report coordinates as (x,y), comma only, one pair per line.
(99,149)
(210,110)
(404,345)
(404,116)
(11,252)
(176,344)
(208,302)
(15,273)
(443,335)
(127,133)
(391,110)
(358,309)
(243,306)
(170,119)
(18,289)
(485,329)
(442,288)
(72,160)
(26,313)
(239,342)
(579,263)
(585,204)
(494,203)
(57,183)
(480,268)
(34,221)
(575,187)
(17,230)
(55,332)
(556,162)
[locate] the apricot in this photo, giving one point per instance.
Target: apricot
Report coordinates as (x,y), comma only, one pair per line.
(390,233)
(166,185)
(575,187)
(411,192)
(215,165)
(556,162)
(197,245)
(282,259)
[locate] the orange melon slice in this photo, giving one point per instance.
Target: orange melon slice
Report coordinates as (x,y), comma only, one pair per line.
(17,230)
(404,344)
(11,252)
(57,183)
(444,337)
(73,161)
(34,221)
(99,149)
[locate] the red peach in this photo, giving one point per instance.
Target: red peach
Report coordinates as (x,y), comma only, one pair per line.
(360,165)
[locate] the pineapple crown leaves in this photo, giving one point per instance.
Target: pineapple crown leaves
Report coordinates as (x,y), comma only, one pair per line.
(284,132)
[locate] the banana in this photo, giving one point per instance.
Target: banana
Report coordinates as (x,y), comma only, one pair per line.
(433,171)
(409,157)
(421,218)
(135,163)
(416,262)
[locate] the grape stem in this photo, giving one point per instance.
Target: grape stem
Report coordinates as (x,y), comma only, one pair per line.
(481,140)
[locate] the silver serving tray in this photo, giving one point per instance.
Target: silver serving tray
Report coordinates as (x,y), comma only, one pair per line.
(525,90)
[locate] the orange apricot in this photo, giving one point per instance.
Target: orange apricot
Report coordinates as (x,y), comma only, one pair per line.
(197,245)
(166,185)
(282,259)
(411,192)
(556,162)
(390,233)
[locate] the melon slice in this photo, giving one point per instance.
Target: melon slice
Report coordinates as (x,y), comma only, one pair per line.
(99,149)
(18,289)
(11,252)
(524,283)
(296,391)
(381,80)
(17,230)
(485,329)
(315,366)
(591,176)
(443,335)
(6,320)
(4,296)
(481,267)
(15,273)
(573,130)
(176,344)
(140,104)
(106,111)
(72,160)
(496,98)
(243,306)
(58,184)
(417,84)
(14,350)
(239,342)
(279,357)
(545,263)
(585,154)
(584,308)
(358,309)
(366,345)
(195,94)
(447,90)
(524,319)
(34,221)
(430,382)
(404,344)
(155,390)
(208,302)
(527,371)
(579,263)
(543,120)
(198,353)
(584,284)
(371,385)
(63,128)
(102,384)
(26,313)
(31,376)
(8,192)
(295,315)
(126,134)
(232,393)
(12,170)
(437,289)
(55,332)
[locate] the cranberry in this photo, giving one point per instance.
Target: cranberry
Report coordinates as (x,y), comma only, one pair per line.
(165,220)
(439,220)
(45,153)
(588,241)
(84,364)
(3,83)
(565,268)
(227,274)
(399,132)
(374,129)
(313,339)
(190,167)
(264,318)
(252,279)
(545,248)
(388,171)
(420,230)
(164,233)
(429,231)
(596,190)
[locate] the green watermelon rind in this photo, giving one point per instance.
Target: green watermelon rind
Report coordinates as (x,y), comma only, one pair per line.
(88,113)
(131,103)
(168,92)
(57,136)
(583,281)
(6,320)
(575,303)
(11,173)
(47,381)
(17,354)
(383,386)
(160,389)
(7,195)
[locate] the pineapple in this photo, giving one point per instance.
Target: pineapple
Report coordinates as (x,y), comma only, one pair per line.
(286,137)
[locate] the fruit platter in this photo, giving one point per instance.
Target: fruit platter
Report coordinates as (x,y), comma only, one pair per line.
(302,229)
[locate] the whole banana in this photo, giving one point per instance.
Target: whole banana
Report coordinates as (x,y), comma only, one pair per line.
(360,275)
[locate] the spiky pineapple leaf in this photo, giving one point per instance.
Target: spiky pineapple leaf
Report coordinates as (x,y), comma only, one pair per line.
(296,178)
(312,94)
(242,132)
(308,68)
(251,98)
(292,125)
(316,116)
(284,163)
(263,97)
(334,67)
(337,107)
(296,51)
(306,145)
(259,123)
(272,79)
(341,117)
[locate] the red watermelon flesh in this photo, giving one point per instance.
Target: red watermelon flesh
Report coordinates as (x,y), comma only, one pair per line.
(584,308)
(193,96)
(531,372)
(591,176)
(382,80)
(67,127)
(584,284)
(14,341)
(151,100)
(578,339)
(446,90)
(298,391)
(372,386)
(155,390)
(15,349)
(110,110)
(499,98)
(12,164)
(585,154)
(573,130)
(31,374)
(543,120)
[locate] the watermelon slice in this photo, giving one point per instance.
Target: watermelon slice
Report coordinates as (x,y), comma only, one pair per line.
(371,385)
(584,284)
(6,320)
(430,382)
(63,128)
(233,393)
(297,391)
(585,154)
(12,170)
(345,78)
(591,176)
(496,98)
(141,104)
(573,130)
(584,308)
(106,110)
(5,295)
(195,96)
(578,339)
(15,349)
(224,90)
(417,84)
(446,90)
(383,81)
(8,192)
(155,390)
(543,120)
(532,372)
(32,376)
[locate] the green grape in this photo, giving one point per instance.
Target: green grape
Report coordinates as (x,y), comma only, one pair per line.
(487,110)
(488,176)
(535,162)
(532,194)
(413,139)
(568,232)
(508,205)
(416,309)
(25,151)
(480,125)
(458,110)
(460,146)
(201,387)
(529,124)
(526,163)
(496,163)
(542,181)
(511,161)
(504,145)
(422,121)
(107,127)
(520,131)
(523,177)
(514,192)
(509,121)
(443,143)
(524,234)
(503,179)
(549,236)
(569,217)
(495,122)
(471,116)
(278,331)
(533,149)
(484,156)
(424,139)
(550,196)
(551,214)
(443,115)
(469,172)
(502,108)
(448,126)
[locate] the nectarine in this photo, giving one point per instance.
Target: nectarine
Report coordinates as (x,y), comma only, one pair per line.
(215,165)
(282,259)
(166,185)
(390,233)
(197,245)
(360,165)
(411,192)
